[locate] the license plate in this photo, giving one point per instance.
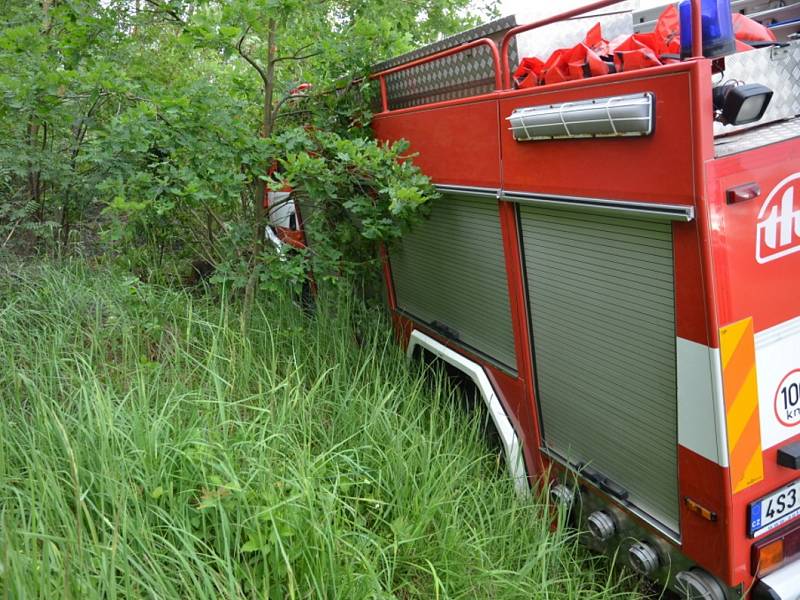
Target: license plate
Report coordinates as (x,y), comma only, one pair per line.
(774,510)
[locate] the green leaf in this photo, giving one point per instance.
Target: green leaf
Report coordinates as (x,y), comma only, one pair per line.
(251,546)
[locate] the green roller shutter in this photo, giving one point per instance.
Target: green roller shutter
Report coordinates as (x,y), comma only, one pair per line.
(449,272)
(600,288)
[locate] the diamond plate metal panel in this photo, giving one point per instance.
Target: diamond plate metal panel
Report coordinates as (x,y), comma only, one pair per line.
(461,75)
(778,68)
(490,30)
(756,137)
(467,73)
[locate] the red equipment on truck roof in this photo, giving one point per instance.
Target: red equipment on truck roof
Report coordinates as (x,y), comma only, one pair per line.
(614,262)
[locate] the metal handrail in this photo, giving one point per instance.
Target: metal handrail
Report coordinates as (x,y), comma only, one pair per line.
(498,80)
(500,61)
(697,41)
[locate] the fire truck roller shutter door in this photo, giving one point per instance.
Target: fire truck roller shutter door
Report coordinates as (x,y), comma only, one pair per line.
(449,272)
(601,295)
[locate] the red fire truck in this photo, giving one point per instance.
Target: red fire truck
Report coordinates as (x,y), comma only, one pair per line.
(615,263)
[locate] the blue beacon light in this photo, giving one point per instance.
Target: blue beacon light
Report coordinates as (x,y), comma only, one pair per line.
(718,37)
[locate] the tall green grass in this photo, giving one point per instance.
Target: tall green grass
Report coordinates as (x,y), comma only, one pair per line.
(149,449)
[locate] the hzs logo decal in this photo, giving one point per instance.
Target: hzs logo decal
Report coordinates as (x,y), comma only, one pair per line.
(778,230)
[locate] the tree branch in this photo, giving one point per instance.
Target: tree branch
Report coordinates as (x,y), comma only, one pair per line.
(269,81)
(79,131)
(283,115)
(285,99)
(175,17)
(297,56)
(259,69)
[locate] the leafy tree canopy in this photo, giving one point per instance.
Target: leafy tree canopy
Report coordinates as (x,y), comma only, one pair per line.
(145,129)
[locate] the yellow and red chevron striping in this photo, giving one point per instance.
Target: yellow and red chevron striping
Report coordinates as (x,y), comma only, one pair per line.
(738,355)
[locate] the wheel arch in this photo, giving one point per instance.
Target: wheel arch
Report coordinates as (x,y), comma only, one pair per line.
(509,438)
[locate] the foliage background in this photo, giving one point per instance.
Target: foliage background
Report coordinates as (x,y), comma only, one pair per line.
(143,130)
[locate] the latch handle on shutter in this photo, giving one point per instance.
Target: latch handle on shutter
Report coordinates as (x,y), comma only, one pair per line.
(604,483)
(587,472)
(613,488)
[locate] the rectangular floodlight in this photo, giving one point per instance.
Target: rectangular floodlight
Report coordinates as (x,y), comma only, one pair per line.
(617,116)
(741,104)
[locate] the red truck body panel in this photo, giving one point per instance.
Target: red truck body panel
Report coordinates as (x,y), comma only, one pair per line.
(726,265)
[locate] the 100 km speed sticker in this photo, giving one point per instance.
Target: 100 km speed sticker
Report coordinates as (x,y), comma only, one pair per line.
(787,399)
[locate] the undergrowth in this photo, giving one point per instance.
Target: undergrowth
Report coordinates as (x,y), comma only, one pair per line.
(151,449)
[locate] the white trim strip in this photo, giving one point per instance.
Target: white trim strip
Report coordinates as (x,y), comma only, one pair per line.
(508,435)
(701,408)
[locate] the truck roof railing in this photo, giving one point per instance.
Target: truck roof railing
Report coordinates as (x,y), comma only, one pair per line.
(500,58)
(412,79)
(697,41)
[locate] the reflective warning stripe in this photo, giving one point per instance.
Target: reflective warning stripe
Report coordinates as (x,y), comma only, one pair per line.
(738,355)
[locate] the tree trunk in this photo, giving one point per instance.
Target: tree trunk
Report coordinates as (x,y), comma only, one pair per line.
(46,23)
(34,175)
(65,227)
(259,214)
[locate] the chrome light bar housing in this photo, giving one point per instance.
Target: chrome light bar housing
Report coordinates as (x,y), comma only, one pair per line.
(614,116)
